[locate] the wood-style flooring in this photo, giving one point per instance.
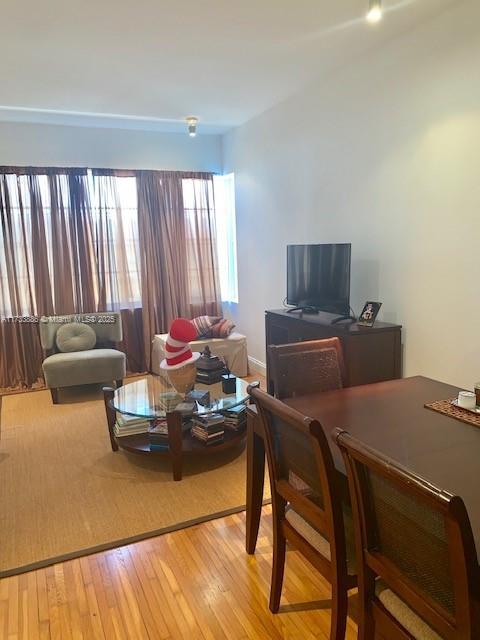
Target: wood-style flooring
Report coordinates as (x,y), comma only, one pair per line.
(197,583)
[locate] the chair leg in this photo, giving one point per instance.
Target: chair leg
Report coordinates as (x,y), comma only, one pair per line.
(366,622)
(54,394)
(339,613)
(119,383)
(278,568)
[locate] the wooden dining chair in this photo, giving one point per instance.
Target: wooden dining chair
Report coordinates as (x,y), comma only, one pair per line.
(312,520)
(418,574)
(306,367)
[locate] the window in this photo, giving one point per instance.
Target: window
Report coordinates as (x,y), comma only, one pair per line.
(111,222)
(114,211)
(15,251)
(19,261)
(224,187)
(198,204)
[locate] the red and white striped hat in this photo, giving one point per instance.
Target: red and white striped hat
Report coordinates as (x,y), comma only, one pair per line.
(177,348)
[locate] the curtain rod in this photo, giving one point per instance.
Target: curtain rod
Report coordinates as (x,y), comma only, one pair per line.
(79,171)
(132,173)
(121,173)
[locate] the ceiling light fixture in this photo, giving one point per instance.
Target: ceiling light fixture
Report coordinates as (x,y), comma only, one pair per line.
(374,11)
(192,126)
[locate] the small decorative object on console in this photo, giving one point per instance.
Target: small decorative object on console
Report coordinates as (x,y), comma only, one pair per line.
(209,368)
(369,314)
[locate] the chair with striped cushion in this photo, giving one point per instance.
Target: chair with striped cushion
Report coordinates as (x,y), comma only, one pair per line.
(310,517)
(306,367)
(418,574)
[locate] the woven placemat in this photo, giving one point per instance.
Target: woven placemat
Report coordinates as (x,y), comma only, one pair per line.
(448,409)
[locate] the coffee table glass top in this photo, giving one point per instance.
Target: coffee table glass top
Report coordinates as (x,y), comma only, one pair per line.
(154,396)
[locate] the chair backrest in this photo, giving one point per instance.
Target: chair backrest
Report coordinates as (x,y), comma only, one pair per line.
(306,367)
(297,449)
(415,537)
(107,326)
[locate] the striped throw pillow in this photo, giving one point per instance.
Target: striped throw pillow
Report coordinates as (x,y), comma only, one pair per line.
(222,329)
(204,324)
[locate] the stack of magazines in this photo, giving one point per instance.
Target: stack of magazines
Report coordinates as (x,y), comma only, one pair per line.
(130,425)
(209,428)
(158,435)
(236,417)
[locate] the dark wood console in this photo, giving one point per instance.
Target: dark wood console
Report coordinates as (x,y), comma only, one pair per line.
(371,354)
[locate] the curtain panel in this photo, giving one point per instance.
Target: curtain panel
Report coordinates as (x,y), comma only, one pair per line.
(60,253)
(162,245)
(70,242)
(45,262)
(177,238)
(20,355)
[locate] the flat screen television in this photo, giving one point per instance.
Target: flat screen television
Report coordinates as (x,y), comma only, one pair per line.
(318,277)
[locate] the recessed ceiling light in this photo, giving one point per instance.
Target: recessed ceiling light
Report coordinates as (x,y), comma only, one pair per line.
(192,126)
(374,11)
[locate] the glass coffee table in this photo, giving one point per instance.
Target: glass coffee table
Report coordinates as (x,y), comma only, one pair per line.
(154,397)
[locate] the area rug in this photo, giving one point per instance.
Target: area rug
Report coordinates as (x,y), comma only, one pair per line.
(64,493)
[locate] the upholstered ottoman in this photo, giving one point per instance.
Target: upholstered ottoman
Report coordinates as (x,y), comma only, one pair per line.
(233,349)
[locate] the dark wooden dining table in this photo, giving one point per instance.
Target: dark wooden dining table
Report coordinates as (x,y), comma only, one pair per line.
(391,417)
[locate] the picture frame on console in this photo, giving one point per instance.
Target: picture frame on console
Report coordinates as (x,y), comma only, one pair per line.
(369,314)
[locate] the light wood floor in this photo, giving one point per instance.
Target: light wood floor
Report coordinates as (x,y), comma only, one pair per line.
(197,583)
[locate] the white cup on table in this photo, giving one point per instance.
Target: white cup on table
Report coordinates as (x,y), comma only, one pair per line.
(467,400)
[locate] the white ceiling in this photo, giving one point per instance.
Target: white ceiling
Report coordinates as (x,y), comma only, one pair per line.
(156,61)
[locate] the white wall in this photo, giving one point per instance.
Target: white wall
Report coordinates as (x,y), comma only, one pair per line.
(58,145)
(386,155)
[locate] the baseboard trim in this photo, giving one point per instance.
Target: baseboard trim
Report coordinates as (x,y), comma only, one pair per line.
(257,366)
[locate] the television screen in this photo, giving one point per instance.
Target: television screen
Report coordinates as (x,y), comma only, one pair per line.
(318,275)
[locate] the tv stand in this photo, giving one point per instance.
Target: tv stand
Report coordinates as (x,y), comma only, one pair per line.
(307,310)
(371,354)
(343,318)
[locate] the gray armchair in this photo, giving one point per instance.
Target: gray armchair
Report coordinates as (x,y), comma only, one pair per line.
(78,350)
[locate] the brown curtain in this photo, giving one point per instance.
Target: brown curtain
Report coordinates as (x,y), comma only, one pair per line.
(161,227)
(178,251)
(46,264)
(61,253)
(20,356)
(73,274)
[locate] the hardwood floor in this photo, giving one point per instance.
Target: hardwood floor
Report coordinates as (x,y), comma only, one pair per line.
(197,583)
